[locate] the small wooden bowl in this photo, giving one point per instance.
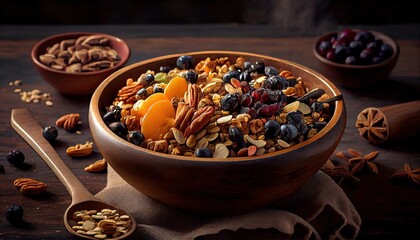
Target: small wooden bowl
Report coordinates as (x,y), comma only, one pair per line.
(357,76)
(80,83)
(216,186)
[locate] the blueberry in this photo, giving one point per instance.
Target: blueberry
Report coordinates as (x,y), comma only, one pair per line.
(112,116)
(50,133)
(276,82)
(141,94)
(14,214)
(364,36)
(258,67)
(203,152)
(356,47)
(149,78)
(276,96)
(376,60)
(288,132)
(135,137)
(245,76)
(191,76)
(271,71)
(317,107)
(323,47)
(236,134)
(296,119)
(157,88)
(15,157)
(119,129)
(272,129)
(231,74)
(1,169)
(351,60)
(185,62)
(386,50)
(320,125)
(342,52)
(231,102)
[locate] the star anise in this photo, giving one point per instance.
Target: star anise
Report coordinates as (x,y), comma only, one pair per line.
(372,125)
(339,173)
(358,161)
(409,173)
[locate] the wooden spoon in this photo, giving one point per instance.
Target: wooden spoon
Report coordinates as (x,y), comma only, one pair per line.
(25,125)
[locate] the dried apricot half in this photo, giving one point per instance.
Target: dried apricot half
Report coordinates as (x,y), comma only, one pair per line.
(176,87)
(141,109)
(158,120)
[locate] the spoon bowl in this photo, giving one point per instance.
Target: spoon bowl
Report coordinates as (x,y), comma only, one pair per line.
(25,125)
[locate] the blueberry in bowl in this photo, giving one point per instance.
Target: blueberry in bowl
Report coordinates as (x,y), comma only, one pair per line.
(356,58)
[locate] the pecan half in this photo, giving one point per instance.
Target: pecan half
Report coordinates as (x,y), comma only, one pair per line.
(193,95)
(199,120)
(30,186)
(80,150)
(69,121)
(183,118)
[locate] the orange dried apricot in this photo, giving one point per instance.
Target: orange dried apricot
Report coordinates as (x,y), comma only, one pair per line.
(141,109)
(158,120)
(176,87)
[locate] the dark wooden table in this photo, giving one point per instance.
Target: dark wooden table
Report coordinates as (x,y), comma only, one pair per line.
(388,210)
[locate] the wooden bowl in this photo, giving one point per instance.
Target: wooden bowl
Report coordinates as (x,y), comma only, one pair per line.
(357,76)
(216,186)
(78,83)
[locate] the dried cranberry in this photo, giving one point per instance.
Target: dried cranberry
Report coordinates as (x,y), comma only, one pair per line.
(246,100)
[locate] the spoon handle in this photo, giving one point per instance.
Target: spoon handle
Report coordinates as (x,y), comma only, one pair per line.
(26,126)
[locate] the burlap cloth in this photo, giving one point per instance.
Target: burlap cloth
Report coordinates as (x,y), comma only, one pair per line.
(319,210)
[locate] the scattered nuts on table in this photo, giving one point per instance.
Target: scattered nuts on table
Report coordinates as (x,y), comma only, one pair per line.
(84,54)
(69,121)
(29,186)
(80,150)
(97,166)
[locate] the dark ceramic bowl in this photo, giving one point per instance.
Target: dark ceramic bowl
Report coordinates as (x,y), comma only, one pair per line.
(217,186)
(76,83)
(357,76)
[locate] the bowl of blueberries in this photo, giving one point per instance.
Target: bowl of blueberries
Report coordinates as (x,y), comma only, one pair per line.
(356,58)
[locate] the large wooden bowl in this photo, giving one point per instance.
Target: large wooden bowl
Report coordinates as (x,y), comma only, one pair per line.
(215,186)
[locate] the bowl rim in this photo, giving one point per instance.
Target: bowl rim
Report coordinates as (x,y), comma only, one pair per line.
(122,62)
(386,38)
(95,113)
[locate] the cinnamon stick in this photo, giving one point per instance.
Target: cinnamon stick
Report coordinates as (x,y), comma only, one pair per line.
(390,123)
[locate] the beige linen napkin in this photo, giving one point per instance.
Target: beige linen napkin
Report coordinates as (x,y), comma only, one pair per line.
(319,210)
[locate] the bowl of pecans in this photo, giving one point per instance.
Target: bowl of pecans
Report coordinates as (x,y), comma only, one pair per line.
(75,63)
(217,132)
(356,58)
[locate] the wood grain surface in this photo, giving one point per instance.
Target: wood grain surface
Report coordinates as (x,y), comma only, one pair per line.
(388,210)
